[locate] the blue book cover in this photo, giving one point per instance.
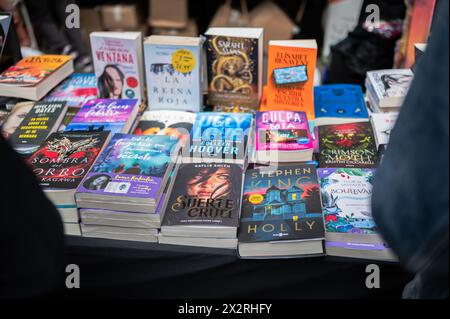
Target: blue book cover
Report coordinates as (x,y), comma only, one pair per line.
(340,101)
(220,136)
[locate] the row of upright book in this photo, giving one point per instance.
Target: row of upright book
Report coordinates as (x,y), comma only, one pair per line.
(291,175)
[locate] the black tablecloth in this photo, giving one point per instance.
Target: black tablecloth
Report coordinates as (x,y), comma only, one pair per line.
(121,269)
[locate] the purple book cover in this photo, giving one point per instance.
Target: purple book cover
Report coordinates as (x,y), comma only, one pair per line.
(282,131)
(106,113)
(131,166)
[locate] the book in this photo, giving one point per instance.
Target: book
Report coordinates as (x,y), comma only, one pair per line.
(120,233)
(283,136)
(339,104)
(34,76)
(281,213)
(290,76)
(70,114)
(346,199)
(220,137)
(130,174)
(15,118)
(63,160)
(235,66)
(204,202)
(174,73)
(43,119)
(116,116)
(347,145)
(76,90)
(382,124)
(118,64)
(173,123)
(387,89)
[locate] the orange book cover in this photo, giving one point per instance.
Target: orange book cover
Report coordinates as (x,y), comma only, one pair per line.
(33,69)
(421,20)
(290,76)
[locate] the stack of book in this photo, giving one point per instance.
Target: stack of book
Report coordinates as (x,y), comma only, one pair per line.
(383,124)
(203,206)
(387,89)
(118,198)
(60,164)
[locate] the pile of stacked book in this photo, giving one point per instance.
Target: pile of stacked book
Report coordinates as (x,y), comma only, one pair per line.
(130,152)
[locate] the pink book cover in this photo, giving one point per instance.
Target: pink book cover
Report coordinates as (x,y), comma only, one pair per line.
(283,131)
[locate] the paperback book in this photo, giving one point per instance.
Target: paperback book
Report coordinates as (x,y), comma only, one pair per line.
(172,123)
(386,89)
(382,124)
(339,104)
(283,136)
(204,201)
(220,137)
(118,64)
(174,73)
(347,145)
(235,61)
(290,76)
(130,174)
(346,199)
(76,90)
(15,118)
(116,116)
(34,76)
(42,120)
(281,212)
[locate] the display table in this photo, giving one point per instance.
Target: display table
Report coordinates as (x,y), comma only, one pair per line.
(110,268)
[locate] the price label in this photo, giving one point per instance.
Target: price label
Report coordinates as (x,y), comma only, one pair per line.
(183,61)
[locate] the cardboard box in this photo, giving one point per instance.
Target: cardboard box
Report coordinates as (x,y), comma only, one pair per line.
(190,31)
(90,21)
(120,17)
(171,14)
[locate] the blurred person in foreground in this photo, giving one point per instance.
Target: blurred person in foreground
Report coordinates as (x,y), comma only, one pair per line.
(410,195)
(31,233)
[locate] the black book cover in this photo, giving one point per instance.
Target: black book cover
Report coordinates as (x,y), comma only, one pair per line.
(36,126)
(205,195)
(347,146)
(281,204)
(65,158)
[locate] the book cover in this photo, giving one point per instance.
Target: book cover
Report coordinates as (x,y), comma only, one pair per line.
(290,78)
(131,166)
(340,101)
(281,204)
(282,131)
(390,83)
(64,158)
(76,90)
(346,199)
(32,70)
(36,126)
(347,145)
(103,115)
(118,65)
(173,123)
(233,64)
(70,114)
(220,136)
(174,76)
(382,124)
(205,195)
